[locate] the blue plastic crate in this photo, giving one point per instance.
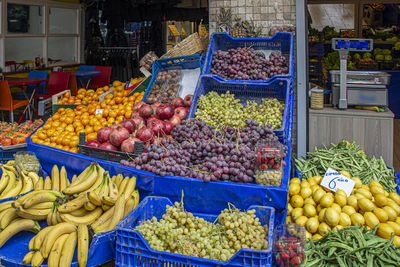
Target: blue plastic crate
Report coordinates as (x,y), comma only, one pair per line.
(133,250)
(277,88)
(282,41)
(6,155)
(185,62)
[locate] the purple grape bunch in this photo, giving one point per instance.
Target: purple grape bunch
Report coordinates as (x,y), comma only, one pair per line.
(197,150)
(247,64)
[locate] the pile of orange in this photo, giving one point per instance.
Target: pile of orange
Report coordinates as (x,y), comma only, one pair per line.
(62,129)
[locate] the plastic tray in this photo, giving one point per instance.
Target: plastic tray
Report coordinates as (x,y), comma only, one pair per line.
(282,41)
(278,88)
(12,147)
(185,62)
(133,250)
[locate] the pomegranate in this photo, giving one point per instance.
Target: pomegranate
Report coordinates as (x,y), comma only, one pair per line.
(146,111)
(156,105)
(181,112)
(187,110)
(177,102)
(129,124)
(107,145)
(188,100)
(150,120)
(104,134)
(118,135)
(168,127)
(139,122)
(175,120)
(165,112)
(93,143)
(129,145)
(158,127)
(134,113)
(138,105)
(144,134)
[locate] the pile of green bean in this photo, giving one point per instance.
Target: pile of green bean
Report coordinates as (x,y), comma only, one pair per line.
(348,157)
(352,246)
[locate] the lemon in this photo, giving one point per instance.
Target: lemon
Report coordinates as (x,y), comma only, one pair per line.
(395,227)
(295,180)
(296,201)
(312,225)
(296,213)
(380,200)
(375,183)
(332,217)
(327,200)
(310,200)
(358,183)
(385,231)
(366,205)
(352,201)
(336,207)
(370,219)
(311,181)
(344,219)
(301,220)
(377,190)
(396,240)
(288,220)
(366,187)
(294,189)
(309,210)
(323,229)
(321,215)
(381,214)
(318,179)
(390,212)
(308,235)
(341,199)
(318,194)
(357,219)
(395,197)
(364,192)
(348,210)
(394,206)
(304,183)
(337,227)
(345,173)
(305,192)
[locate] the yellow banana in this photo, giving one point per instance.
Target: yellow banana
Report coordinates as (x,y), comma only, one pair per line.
(57,231)
(55,253)
(39,238)
(89,206)
(10,163)
(7,205)
(122,185)
(113,178)
(87,219)
(118,213)
(99,179)
(113,191)
(27,183)
(105,217)
(12,180)
(4,179)
(47,183)
(83,244)
(49,218)
(130,187)
(58,217)
(39,184)
(74,179)
(73,204)
(136,195)
(84,184)
(55,178)
(104,189)
(118,180)
(11,169)
(14,191)
(31,242)
(68,250)
(33,214)
(17,226)
(129,206)
(105,207)
(7,218)
(94,198)
(40,196)
(108,201)
(79,212)
(28,258)
(63,178)
(37,259)
(43,205)
(34,176)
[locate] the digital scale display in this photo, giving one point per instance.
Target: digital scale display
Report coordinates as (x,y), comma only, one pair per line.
(352,44)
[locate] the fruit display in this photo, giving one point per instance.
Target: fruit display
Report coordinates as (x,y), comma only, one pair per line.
(319,210)
(179,231)
(62,129)
(197,150)
(352,246)
(349,157)
(14,133)
(221,110)
(148,60)
(269,160)
(14,182)
(93,200)
(149,124)
(166,86)
(245,63)
(289,244)
(382,54)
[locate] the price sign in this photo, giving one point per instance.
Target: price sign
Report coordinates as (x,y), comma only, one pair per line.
(99,110)
(334,180)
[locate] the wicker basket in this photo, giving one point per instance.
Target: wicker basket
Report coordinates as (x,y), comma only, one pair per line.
(189,46)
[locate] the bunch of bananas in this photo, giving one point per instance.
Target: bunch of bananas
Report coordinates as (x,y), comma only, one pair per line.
(13,183)
(92,201)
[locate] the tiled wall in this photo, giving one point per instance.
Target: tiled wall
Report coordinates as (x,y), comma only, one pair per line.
(264,12)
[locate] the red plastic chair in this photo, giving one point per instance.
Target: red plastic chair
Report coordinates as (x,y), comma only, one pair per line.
(7,103)
(58,82)
(102,79)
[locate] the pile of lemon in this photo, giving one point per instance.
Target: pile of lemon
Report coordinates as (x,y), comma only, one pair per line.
(320,210)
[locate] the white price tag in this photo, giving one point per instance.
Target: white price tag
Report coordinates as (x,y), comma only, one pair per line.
(145,72)
(99,111)
(334,180)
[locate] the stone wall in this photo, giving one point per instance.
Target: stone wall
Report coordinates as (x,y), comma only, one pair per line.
(264,12)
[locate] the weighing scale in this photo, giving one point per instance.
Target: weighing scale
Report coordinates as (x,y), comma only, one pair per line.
(357,87)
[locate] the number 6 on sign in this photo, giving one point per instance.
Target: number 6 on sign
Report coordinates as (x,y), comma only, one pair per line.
(333,180)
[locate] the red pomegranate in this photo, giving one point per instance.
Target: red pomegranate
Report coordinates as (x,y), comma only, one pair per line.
(129,145)
(108,146)
(175,120)
(165,112)
(177,102)
(104,134)
(188,100)
(146,111)
(181,112)
(118,135)
(144,134)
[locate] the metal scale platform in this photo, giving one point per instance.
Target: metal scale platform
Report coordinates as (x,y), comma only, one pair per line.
(349,88)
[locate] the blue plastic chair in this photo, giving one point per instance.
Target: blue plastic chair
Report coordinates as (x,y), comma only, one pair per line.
(29,89)
(86,67)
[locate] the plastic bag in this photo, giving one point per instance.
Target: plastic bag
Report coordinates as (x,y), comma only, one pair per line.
(148,60)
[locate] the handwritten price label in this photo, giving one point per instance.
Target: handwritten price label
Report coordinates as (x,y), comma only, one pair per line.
(99,111)
(334,180)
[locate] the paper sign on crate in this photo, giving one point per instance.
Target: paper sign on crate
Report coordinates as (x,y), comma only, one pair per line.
(334,180)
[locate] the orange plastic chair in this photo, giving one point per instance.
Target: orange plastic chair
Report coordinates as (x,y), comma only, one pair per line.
(7,103)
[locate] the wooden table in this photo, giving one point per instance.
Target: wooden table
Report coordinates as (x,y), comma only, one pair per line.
(21,82)
(372,130)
